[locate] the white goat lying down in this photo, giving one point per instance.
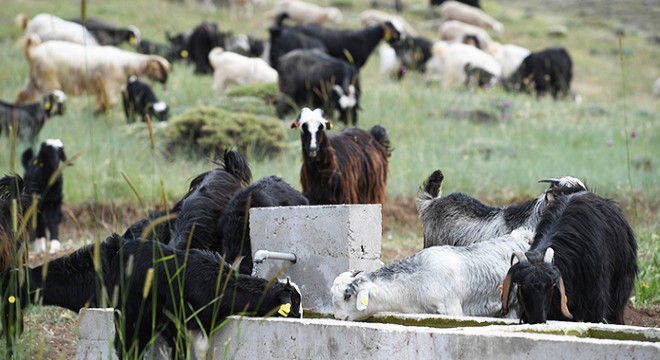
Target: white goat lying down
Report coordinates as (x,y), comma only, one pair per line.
(232,68)
(449,280)
(51,27)
(79,70)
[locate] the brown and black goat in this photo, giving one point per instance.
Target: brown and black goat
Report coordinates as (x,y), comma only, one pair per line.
(348,168)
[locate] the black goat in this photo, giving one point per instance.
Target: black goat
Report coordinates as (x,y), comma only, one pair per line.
(347,168)
(108,33)
(26,120)
(413,52)
(581,266)
(202,40)
(43,179)
(234,223)
(354,46)
(169,51)
(139,100)
(315,79)
(284,40)
(459,220)
(549,70)
(193,289)
(201,207)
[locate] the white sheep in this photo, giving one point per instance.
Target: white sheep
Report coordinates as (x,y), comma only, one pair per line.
(455,30)
(232,68)
(449,61)
(454,10)
(448,280)
(51,27)
(376,17)
(509,56)
(307,13)
(78,70)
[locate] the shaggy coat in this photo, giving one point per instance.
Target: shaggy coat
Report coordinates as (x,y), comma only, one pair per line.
(79,70)
(459,220)
(448,280)
(39,169)
(348,168)
(195,285)
(581,266)
(547,71)
(26,120)
(11,243)
(201,207)
(50,27)
(315,79)
(234,224)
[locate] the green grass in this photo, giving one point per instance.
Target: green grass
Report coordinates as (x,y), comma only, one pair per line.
(497,162)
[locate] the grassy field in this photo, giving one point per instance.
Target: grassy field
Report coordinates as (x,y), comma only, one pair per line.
(611,139)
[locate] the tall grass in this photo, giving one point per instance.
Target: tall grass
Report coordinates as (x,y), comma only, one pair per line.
(615,149)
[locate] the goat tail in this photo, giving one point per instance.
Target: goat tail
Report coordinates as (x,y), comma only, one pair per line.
(21,20)
(380,134)
(235,163)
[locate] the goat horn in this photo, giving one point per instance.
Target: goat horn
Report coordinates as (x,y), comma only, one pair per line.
(552,182)
(519,255)
(506,292)
(564,300)
(549,255)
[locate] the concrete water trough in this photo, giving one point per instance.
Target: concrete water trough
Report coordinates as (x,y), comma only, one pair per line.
(314,244)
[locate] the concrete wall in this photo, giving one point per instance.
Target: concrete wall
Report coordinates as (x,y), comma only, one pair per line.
(327,239)
(274,338)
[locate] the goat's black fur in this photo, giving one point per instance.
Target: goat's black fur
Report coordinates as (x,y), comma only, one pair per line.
(595,253)
(546,71)
(27,120)
(107,33)
(234,223)
(139,100)
(413,52)
(284,40)
(39,169)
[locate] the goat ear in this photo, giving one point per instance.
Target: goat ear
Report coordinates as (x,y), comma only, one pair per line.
(294,124)
(564,300)
(506,293)
(362,300)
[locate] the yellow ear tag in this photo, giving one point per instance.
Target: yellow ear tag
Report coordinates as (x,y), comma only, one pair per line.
(132,40)
(565,299)
(35,162)
(365,301)
(284,310)
(184,54)
(387,35)
(47,105)
(12,299)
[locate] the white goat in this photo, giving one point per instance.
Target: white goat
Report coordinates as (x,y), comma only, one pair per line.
(448,280)
(51,27)
(455,30)
(307,13)
(509,56)
(449,60)
(377,17)
(454,10)
(78,69)
(232,68)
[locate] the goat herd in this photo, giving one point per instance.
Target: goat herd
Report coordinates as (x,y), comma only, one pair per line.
(567,255)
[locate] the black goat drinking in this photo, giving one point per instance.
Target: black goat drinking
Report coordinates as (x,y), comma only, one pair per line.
(139,100)
(42,178)
(26,120)
(234,223)
(459,219)
(581,266)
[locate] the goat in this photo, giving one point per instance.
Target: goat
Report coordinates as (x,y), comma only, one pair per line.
(509,57)
(448,280)
(374,17)
(139,99)
(313,78)
(284,40)
(26,120)
(107,33)
(202,40)
(42,178)
(450,59)
(455,30)
(348,168)
(459,220)
(234,223)
(413,53)
(169,51)
(50,27)
(473,3)
(306,13)
(199,210)
(581,266)
(232,68)
(548,70)
(196,287)
(354,46)
(454,10)
(77,70)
